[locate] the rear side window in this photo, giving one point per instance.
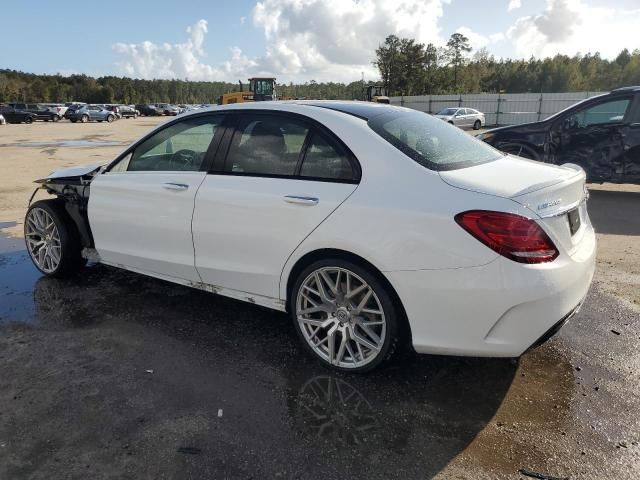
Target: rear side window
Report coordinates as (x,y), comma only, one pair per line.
(266,145)
(324,159)
(431,142)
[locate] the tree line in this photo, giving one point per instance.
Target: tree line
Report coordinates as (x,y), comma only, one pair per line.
(406,68)
(410,68)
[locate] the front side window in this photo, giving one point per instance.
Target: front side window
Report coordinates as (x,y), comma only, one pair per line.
(266,145)
(600,114)
(431,142)
(180,147)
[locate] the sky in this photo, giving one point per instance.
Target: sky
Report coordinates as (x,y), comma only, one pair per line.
(293,40)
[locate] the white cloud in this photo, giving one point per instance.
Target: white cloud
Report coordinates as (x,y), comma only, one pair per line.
(514,4)
(336,39)
(243,20)
(477,40)
(324,40)
(572,26)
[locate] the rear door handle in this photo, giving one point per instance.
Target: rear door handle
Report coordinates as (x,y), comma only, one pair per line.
(301,199)
(175,186)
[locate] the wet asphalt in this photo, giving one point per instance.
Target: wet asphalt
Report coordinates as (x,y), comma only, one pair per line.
(114,375)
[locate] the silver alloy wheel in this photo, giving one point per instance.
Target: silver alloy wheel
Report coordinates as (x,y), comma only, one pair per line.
(341,317)
(43,240)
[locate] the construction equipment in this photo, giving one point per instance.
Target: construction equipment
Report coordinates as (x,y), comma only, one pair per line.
(260,89)
(375,93)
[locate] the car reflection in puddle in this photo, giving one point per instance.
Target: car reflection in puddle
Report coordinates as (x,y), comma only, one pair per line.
(218,353)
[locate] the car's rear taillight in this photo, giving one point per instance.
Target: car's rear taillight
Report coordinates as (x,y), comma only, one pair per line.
(513,236)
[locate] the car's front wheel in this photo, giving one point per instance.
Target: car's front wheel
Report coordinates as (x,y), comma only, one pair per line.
(110,118)
(344,315)
(51,238)
(84,119)
(477,124)
(28,120)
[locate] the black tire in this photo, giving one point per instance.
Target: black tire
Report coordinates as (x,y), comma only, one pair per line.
(110,118)
(84,119)
(391,313)
(73,120)
(28,120)
(70,256)
(477,124)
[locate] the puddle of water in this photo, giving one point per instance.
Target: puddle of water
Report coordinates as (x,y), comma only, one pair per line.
(66,143)
(17,281)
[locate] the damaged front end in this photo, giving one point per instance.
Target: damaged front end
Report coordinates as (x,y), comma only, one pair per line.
(71,186)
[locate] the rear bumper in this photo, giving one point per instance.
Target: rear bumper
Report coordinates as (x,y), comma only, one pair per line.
(499,309)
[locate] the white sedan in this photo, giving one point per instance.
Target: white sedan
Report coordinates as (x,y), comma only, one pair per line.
(374,226)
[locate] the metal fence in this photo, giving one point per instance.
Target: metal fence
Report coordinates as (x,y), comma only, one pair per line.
(499,108)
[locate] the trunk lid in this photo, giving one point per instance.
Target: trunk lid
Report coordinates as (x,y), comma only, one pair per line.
(549,191)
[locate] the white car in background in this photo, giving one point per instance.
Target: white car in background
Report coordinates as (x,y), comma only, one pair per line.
(462,117)
(371,225)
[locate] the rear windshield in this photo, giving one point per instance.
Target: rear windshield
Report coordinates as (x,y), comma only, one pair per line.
(431,142)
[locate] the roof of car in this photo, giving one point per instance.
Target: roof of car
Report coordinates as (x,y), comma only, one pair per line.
(359,109)
(630,88)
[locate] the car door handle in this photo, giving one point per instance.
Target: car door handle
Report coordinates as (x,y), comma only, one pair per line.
(301,199)
(175,186)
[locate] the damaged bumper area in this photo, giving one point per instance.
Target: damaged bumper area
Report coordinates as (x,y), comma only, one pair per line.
(72,187)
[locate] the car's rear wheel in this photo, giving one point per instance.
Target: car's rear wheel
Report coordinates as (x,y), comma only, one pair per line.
(52,240)
(110,118)
(477,124)
(28,120)
(344,315)
(135,115)
(56,118)
(84,119)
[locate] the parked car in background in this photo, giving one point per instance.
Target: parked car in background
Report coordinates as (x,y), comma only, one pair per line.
(600,134)
(11,115)
(86,113)
(57,108)
(38,111)
(147,109)
(113,108)
(462,117)
(167,109)
(71,108)
(128,112)
(490,254)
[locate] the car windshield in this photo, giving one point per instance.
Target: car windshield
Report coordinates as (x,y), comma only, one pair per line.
(448,111)
(431,142)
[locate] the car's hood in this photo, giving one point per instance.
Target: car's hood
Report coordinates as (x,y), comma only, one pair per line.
(72,172)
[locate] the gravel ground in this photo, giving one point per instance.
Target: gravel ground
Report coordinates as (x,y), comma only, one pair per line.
(113,375)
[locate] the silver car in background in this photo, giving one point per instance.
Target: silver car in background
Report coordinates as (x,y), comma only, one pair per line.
(462,117)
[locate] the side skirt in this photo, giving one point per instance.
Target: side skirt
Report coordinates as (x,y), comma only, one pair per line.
(268,302)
